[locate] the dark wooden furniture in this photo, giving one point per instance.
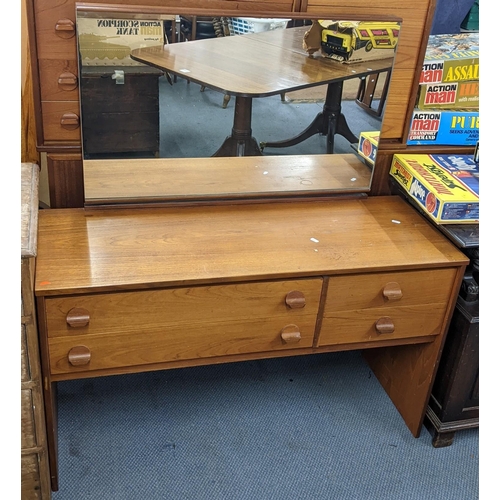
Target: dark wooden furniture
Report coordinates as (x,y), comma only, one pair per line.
(120,111)
(367,89)
(35,481)
(137,289)
(282,65)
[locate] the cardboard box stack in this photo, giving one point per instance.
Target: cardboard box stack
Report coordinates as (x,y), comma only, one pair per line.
(447,110)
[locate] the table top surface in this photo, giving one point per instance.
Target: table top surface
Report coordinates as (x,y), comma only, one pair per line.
(88,251)
(254,65)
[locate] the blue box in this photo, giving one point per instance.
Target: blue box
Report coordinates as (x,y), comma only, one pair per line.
(444,128)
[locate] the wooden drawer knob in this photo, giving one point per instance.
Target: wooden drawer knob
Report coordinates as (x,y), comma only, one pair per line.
(65,28)
(295,299)
(70,121)
(79,355)
(67,81)
(392,291)
(290,334)
(78,317)
(384,325)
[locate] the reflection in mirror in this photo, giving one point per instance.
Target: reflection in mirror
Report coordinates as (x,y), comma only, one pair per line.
(163,87)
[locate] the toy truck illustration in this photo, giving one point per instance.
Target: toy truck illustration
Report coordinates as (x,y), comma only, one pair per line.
(342,38)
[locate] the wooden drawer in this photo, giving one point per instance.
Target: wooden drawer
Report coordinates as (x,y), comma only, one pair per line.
(55,29)
(61,121)
(58,79)
(28,434)
(145,327)
(383,306)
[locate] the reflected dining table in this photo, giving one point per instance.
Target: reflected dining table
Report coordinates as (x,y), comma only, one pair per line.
(261,65)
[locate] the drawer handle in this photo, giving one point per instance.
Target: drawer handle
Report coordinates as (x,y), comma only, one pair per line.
(67,81)
(295,299)
(384,325)
(392,291)
(290,334)
(79,355)
(65,28)
(78,317)
(70,121)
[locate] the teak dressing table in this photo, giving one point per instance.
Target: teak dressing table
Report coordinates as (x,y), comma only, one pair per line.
(138,288)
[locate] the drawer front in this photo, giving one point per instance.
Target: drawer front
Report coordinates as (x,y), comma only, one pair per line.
(58,79)
(55,29)
(61,121)
(28,435)
(385,306)
(144,327)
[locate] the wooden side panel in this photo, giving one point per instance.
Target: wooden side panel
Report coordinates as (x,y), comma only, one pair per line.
(407,372)
(65,180)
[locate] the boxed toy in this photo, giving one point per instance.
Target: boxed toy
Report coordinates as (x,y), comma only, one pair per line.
(455,95)
(446,187)
(108,42)
(352,41)
(451,58)
(368,144)
(444,127)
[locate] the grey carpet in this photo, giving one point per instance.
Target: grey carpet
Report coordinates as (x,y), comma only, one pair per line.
(314,427)
(194,124)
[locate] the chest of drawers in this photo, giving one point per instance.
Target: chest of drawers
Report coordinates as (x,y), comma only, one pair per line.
(130,290)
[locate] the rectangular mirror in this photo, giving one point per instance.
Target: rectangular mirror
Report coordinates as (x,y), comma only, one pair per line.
(183,108)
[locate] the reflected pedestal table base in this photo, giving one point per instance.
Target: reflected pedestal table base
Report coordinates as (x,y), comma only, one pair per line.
(329,122)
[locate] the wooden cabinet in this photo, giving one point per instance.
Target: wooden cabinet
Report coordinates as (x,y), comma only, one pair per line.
(136,289)
(120,119)
(34,458)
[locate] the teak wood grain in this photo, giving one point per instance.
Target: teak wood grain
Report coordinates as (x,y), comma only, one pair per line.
(109,182)
(254,65)
(109,250)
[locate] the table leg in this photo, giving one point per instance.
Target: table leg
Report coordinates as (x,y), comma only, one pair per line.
(240,142)
(329,122)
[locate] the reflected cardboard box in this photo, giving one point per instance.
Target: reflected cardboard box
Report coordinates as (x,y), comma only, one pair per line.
(445,187)
(368,145)
(352,41)
(108,42)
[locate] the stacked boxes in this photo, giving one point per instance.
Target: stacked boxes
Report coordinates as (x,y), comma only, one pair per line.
(447,111)
(445,187)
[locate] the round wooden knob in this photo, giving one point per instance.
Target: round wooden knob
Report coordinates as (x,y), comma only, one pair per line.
(79,355)
(78,317)
(290,334)
(384,325)
(295,299)
(65,28)
(392,291)
(67,81)
(70,121)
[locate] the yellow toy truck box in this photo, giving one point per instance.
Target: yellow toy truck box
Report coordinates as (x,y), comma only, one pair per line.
(368,145)
(445,187)
(451,58)
(352,41)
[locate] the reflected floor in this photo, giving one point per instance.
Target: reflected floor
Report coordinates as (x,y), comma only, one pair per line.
(194,123)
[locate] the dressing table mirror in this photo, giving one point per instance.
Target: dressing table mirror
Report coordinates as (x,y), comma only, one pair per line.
(241,114)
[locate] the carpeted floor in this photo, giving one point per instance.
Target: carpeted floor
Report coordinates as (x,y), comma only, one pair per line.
(314,427)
